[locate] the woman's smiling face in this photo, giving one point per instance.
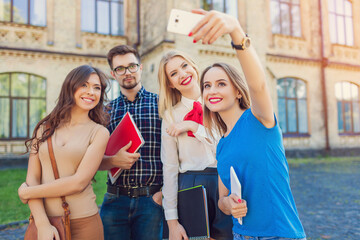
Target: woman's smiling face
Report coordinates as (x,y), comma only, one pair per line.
(88,95)
(181,74)
(219,92)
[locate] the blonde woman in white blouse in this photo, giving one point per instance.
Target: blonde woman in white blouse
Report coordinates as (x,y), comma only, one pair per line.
(187,151)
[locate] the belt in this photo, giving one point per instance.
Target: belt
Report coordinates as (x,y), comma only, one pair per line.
(133,192)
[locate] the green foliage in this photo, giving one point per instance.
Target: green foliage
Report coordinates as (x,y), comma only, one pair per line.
(100,186)
(7,13)
(12,209)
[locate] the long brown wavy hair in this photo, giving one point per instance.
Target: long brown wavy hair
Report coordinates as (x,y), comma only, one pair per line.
(61,113)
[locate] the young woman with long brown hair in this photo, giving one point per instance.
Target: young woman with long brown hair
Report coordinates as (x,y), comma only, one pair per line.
(79,138)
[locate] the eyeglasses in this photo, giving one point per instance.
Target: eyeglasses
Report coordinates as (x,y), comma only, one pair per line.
(121,70)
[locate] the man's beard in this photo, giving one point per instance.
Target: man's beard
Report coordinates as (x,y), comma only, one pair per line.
(130,85)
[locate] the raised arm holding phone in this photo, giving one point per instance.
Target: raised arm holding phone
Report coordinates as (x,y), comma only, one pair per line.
(242,112)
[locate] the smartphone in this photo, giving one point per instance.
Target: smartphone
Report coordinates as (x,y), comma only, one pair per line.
(182,21)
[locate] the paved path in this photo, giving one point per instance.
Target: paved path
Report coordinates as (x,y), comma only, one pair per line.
(327,197)
(13,233)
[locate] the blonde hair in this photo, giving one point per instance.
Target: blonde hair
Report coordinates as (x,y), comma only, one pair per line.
(168,97)
(213,119)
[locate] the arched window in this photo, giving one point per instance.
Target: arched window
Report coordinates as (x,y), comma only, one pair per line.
(341,22)
(22,104)
(292,105)
(31,12)
(348,101)
(286,17)
(103,16)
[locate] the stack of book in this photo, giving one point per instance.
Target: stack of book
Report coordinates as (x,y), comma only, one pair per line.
(193,213)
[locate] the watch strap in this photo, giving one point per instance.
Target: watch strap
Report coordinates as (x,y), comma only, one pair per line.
(240,46)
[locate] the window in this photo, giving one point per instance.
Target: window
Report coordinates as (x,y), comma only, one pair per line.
(292,105)
(114,90)
(32,12)
(226,6)
(348,102)
(285,17)
(22,104)
(341,22)
(102,16)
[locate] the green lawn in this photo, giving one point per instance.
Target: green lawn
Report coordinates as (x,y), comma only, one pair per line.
(12,209)
(321,160)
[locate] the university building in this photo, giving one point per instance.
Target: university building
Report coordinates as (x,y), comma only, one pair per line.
(310,50)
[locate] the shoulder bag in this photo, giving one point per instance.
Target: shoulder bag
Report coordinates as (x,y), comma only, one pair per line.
(61,223)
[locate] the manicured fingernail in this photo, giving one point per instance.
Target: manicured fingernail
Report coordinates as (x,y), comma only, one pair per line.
(190,34)
(194,41)
(239,200)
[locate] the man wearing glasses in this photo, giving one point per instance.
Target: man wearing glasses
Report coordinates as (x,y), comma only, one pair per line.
(132,205)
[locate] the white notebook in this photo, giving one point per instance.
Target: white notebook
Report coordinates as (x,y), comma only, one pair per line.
(235,186)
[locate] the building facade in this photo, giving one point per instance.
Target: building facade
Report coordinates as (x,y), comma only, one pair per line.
(310,50)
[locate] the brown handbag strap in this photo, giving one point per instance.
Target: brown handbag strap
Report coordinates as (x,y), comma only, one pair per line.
(65,205)
(52,158)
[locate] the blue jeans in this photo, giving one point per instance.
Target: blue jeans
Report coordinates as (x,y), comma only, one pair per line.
(128,218)
(241,237)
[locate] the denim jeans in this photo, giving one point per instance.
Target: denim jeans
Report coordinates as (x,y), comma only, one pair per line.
(128,218)
(241,237)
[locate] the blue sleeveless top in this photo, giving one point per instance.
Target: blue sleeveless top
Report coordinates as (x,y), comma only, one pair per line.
(258,157)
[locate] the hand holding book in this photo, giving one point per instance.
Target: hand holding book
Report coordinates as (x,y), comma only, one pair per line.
(176,230)
(124,159)
(124,143)
(238,205)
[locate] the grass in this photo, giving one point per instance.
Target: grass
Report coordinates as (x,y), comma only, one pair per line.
(12,209)
(321,160)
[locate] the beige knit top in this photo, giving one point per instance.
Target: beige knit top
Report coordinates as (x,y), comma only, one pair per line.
(68,158)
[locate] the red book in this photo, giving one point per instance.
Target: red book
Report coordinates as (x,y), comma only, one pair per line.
(125,132)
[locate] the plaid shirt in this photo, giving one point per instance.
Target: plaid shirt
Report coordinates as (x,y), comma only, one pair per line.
(147,171)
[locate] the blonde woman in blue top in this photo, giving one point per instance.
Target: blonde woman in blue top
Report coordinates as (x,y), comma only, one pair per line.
(252,140)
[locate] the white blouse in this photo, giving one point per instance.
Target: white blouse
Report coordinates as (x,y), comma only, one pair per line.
(183,153)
